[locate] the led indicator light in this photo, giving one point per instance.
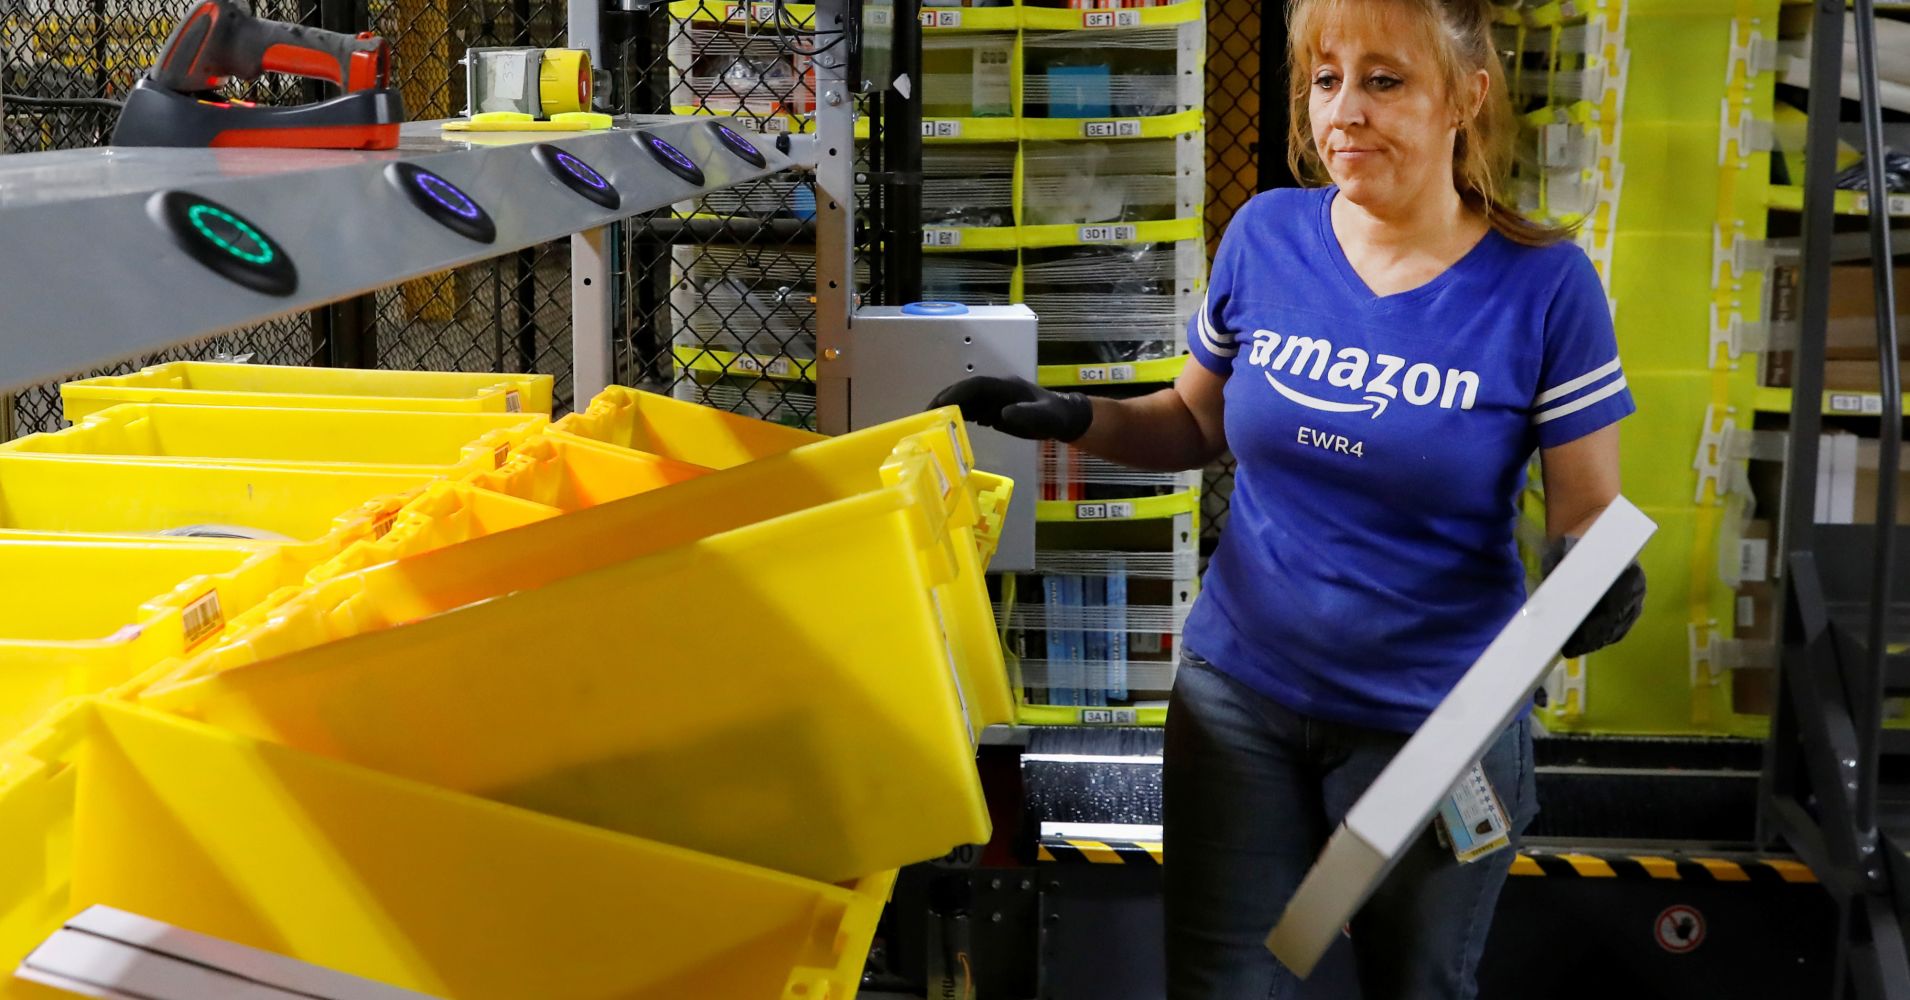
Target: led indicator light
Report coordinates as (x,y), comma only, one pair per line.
(670,151)
(444,194)
(581,170)
(198,214)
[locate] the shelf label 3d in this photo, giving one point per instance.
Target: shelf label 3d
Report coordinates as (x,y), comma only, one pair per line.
(1110,18)
(933,128)
(1109,234)
(1125,128)
(1115,510)
(941,237)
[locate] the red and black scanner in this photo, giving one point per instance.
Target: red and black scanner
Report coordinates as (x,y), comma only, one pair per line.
(178,103)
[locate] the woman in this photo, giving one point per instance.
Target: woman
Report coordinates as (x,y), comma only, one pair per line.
(1383,354)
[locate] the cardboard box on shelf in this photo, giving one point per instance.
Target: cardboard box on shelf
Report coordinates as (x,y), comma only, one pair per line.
(1756,619)
(1850,347)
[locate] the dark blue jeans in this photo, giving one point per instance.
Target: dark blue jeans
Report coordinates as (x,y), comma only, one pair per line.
(1253,789)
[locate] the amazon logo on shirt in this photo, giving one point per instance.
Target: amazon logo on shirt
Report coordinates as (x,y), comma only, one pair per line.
(1291,362)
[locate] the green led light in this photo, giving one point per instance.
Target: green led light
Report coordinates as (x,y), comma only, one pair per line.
(196,215)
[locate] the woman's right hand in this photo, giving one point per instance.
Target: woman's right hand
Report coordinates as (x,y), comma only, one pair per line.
(1018,407)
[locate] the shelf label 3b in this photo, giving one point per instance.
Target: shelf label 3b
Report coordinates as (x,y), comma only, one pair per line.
(1111,511)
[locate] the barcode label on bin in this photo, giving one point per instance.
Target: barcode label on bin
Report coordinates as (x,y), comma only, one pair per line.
(1109,716)
(512,404)
(1108,234)
(954,671)
(1110,511)
(961,454)
(1126,128)
(202,619)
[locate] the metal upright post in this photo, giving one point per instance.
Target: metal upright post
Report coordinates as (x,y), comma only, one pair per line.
(591,305)
(835,212)
(902,162)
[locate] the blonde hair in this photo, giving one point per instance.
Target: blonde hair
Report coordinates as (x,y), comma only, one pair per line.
(1459,32)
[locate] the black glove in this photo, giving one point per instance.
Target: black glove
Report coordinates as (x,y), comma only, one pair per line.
(1019,407)
(1613,615)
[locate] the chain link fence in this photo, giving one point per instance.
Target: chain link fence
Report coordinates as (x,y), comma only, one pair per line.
(1234,33)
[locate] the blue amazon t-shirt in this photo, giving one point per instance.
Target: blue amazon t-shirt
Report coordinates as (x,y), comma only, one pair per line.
(1381,444)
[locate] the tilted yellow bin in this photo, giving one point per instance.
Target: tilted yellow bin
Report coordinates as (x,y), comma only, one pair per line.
(687,432)
(215,384)
(392,880)
(571,476)
(80,617)
(765,642)
(341,440)
(444,514)
(45,493)
(658,425)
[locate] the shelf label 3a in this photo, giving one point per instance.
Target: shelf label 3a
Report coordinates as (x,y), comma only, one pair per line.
(1125,128)
(1899,203)
(1110,18)
(1110,234)
(933,237)
(1109,716)
(1114,510)
(941,128)
(1855,402)
(1105,373)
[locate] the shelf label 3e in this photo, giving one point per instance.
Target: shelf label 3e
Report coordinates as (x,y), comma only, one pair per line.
(1126,128)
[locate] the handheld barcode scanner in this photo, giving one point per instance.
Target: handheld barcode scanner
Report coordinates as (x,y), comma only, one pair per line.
(177,102)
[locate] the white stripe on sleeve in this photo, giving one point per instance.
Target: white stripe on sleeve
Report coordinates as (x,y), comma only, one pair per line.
(1582,402)
(1567,388)
(1217,343)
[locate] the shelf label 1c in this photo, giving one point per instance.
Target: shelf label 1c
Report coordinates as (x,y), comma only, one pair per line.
(1110,18)
(751,363)
(941,237)
(933,128)
(1104,373)
(1109,234)
(1108,511)
(1855,402)
(941,19)
(1126,128)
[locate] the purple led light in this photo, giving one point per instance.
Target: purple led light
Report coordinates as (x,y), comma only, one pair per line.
(671,151)
(581,170)
(441,191)
(730,136)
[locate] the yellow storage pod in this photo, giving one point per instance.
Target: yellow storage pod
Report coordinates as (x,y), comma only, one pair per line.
(444,514)
(391,880)
(775,641)
(570,475)
(216,384)
(342,440)
(687,432)
(81,617)
(46,493)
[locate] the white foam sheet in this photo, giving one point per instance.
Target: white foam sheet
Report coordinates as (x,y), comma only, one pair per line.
(1499,685)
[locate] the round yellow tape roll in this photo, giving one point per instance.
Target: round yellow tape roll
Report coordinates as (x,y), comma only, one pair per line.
(563,81)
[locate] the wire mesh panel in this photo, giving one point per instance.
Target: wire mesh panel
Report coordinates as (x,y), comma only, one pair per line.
(1234,31)
(719,294)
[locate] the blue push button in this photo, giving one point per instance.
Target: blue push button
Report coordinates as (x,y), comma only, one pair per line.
(934,309)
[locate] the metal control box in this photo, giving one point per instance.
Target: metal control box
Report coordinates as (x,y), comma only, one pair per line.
(897,358)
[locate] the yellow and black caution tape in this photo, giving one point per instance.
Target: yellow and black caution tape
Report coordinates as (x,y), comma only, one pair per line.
(1075,850)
